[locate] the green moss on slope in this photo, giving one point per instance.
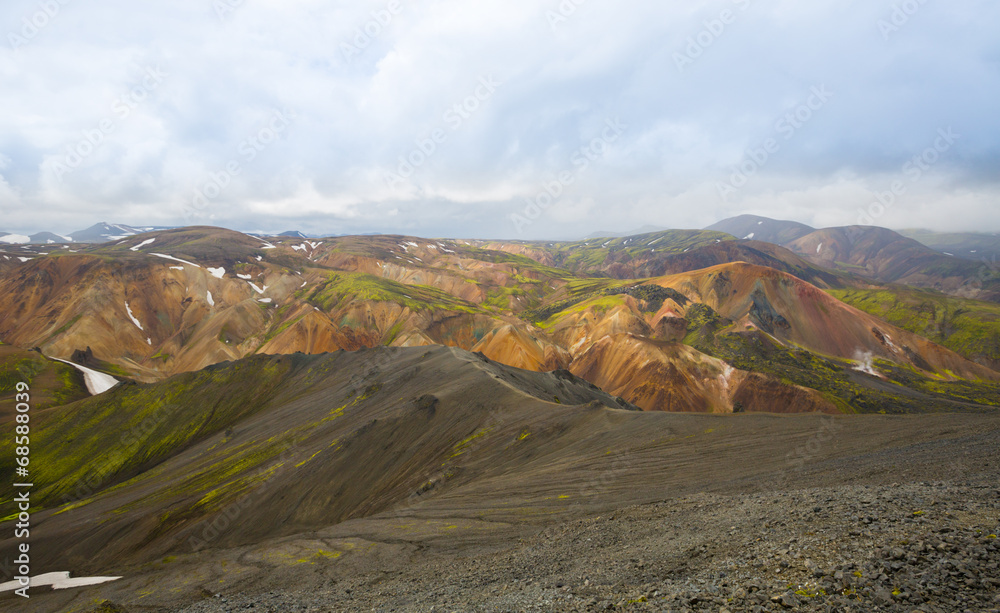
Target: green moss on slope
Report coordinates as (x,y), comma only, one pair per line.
(968,327)
(340,288)
(152,422)
(903,390)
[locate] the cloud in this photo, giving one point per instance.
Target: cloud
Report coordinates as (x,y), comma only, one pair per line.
(370,82)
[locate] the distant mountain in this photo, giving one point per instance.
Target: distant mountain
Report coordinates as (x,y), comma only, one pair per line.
(293,234)
(14,239)
(104,232)
(42,238)
(879,254)
(48,238)
(642,230)
(753,227)
(98,233)
(970,245)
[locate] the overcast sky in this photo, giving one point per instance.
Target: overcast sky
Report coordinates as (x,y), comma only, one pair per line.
(512,118)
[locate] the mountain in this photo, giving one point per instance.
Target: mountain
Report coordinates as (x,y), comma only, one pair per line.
(703,339)
(344,435)
(873,253)
(98,233)
(293,234)
(397,423)
(978,247)
(886,256)
(754,227)
(661,253)
(642,230)
(48,238)
(105,232)
(968,327)
(378,478)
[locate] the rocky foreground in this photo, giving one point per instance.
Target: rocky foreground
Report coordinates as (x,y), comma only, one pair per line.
(929,546)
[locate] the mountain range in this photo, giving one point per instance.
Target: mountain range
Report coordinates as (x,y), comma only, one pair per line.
(215,412)
(679,320)
(102,233)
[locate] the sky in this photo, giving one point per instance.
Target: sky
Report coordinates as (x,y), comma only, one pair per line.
(498,119)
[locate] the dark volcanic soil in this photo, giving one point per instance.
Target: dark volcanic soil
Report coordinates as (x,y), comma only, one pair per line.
(815,535)
(567,508)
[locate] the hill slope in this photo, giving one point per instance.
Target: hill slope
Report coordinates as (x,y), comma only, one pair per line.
(313,440)
(315,475)
(764,229)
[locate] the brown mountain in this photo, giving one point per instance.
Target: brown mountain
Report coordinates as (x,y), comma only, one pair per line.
(176,301)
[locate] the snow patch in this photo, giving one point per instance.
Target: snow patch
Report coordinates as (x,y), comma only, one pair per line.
(15,239)
(142,244)
(208,296)
(24,259)
(170,257)
(218,273)
(819,247)
(257,289)
(176,268)
(58,581)
(267,245)
(749,236)
(97,382)
(244,277)
(132,317)
(264,300)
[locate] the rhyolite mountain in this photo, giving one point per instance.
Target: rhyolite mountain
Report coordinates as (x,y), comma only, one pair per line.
(880,254)
(675,320)
(313,423)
